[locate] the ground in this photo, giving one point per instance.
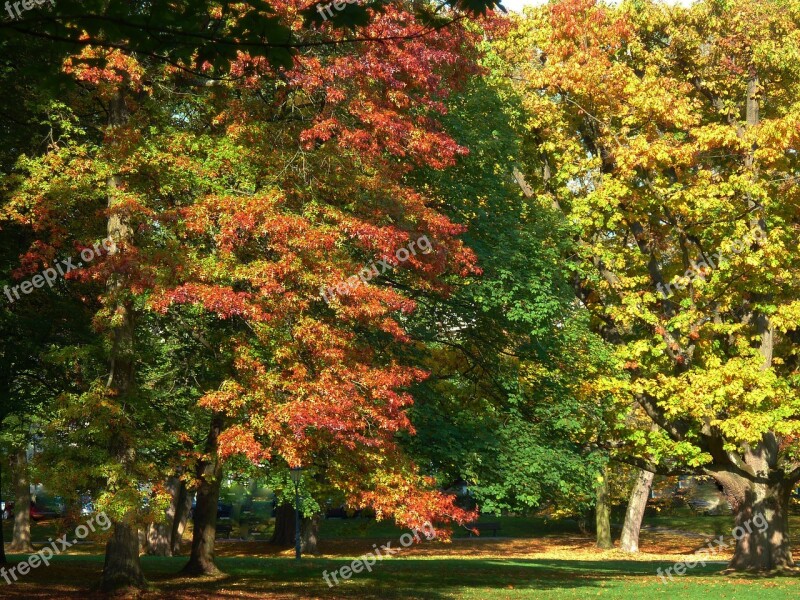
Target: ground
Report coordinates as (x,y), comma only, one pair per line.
(556,563)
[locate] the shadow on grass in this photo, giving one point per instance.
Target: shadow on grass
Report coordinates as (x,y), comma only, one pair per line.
(252,578)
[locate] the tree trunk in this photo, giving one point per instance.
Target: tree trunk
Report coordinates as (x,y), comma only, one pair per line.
(122,566)
(21,541)
(283,535)
(159,535)
(157,540)
(603,514)
(761,533)
(629,541)
(310,535)
(209,473)
(583,525)
(183,505)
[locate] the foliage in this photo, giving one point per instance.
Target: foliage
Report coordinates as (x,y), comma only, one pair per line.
(243,199)
(668,141)
(503,410)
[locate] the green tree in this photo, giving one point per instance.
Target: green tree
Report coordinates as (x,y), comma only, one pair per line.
(668,140)
(506,350)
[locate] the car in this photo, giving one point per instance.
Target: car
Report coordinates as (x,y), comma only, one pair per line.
(47,509)
(40,514)
(39,511)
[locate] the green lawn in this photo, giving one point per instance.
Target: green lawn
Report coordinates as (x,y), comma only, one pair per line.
(412,578)
(516,527)
(537,559)
(39,532)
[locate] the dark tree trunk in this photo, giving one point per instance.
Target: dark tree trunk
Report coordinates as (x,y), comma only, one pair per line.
(21,541)
(629,541)
(766,547)
(583,525)
(603,514)
(310,535)
(183,505)
(122,567)
(209,474)
(761,515)
(283,535)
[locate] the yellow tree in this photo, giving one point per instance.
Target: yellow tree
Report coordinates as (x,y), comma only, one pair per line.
(669,138)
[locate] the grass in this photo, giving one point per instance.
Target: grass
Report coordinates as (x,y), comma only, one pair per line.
(39,531)
(434,578)
(544,559)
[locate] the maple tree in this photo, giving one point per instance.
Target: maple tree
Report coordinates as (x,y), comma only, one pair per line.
(244,198)
(194,34)
(668,137)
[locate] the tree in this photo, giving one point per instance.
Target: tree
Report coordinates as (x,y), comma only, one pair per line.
(35,330)
(629,540)
(238,200)
(603,512)
(265,247)
(195,34)
(204,532)
(507,349)
(21,540)
(668,139)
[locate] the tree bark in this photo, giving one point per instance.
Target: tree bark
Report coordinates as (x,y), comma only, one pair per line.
(603,514)
(159,535)
(283,535)
(761,531)
(122,567)
(763,543)
(21,541)
(209,473)
(629,541)
(182,507)
(309,538)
